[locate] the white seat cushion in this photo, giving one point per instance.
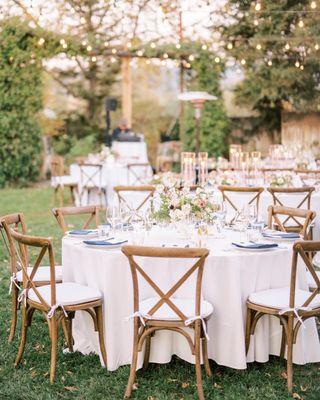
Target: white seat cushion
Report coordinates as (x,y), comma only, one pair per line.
(187,306)
(311,281)
(67,294)
(42,274)
(279,298)
(63,180)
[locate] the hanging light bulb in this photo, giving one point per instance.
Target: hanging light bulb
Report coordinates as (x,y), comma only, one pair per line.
(229,46)
(129,45)
(84,43)
(243,61)
(140,53)
(178,46)
(300,24)
(258,7)
(269,63)
(114,51)
(94,59)
(301,67)
(62,41)
(106,44)
(82,20)
(313,5)
(41,41)
(217,60)
(89,48)
(316,46)
(297,64)
(148,62)
(287,46)
(65,45)
(204,47)
(152,45)
(258,46)
(165,55)
(256,22)
(191,57)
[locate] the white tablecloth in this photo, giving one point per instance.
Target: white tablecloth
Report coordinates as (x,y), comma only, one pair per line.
(137,151)
(229,278)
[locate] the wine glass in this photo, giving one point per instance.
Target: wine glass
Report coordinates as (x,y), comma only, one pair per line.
(113,217)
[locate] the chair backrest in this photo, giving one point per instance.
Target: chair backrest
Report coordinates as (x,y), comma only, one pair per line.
(163,164)
(44,245)
(307,175)
(304,249)
(281,215)
(17,222)
(304,201)
(165,297)
(90,175)
(57,166)
(91,211)
(139,173)
(146,192)
(255,193)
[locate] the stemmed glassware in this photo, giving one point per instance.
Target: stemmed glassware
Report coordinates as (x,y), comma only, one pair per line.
(113,216)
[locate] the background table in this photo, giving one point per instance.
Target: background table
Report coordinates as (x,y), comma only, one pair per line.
(229,277)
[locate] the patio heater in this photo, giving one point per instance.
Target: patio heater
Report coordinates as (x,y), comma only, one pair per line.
(197,99)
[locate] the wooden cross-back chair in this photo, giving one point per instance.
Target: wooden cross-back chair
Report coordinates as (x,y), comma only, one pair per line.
(139,173)
(306,174)
(305,202)
(254,191)
(59,181)
(291,305)
(163,164)
(58,302)
(42,277)
(91,211)
(91,181)
(147,190)
(149,316)
(278,216)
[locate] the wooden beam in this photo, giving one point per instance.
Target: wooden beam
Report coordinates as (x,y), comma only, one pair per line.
(126,90)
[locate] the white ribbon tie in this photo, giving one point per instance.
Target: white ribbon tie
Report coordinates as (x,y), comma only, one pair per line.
(13,281)
(295,311)
(189,321)
(140,315)
(53,310)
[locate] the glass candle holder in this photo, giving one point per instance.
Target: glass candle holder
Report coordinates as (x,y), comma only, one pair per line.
(188,167)
(203,167)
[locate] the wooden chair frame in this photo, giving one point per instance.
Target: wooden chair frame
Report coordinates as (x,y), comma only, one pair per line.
(274,191)
(57,170)
(291,213)
(87,182)
(256,192)
(144,188)
(6,222)
(60,213)
(131,168)
(290,328)
(143,332)
(60,315)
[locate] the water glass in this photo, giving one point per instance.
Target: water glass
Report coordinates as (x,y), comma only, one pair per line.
(103,230)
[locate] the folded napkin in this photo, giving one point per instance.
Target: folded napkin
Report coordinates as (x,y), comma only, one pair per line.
(279,234)
(81,232)
(104,242)
(254,245)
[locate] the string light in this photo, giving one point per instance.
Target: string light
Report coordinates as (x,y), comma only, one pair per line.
(204,47)
(140,53)
(258,46)
(65,46)
(300,24)
(93,59)
(41,41)
(301,67)
(191,57)
(178,46)
(258,7)
(256,22)
(243,61)
(113,59)
(297,64)
(153,45)
(316,46)
(82,20)
(217,60)
(148,61)
(114,51)
(230,46)
(129,45)
(106,44)
(62,41)
(287,46)
(165,55)
(313,5)
(269,63)
(89,48)
(84,43)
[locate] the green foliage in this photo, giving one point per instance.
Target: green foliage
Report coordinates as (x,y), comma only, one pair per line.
(270,88)
(215,124)
(20,100)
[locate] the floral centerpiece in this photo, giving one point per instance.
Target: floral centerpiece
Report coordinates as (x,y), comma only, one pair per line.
(280,180)
(177,203)
(227,179)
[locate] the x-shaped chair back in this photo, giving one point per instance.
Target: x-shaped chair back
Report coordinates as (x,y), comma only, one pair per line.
(90,177)
(44,246)
(91,211)
(303,219)
(306,174)
(255,193)
(17,223)
(139,173)
(305,201)
(304,249)
(165,297)
(147,190)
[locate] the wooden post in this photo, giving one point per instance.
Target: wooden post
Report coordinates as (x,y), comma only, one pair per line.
(126,90)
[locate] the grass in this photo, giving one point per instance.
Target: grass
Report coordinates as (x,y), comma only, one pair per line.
(81,377)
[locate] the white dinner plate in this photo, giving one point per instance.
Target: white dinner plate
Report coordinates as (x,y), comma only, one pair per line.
(280,239)
(90,235)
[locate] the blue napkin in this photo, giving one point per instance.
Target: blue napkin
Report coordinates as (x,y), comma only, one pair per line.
(283,235)
(81,232)
(250,245)
(103,242)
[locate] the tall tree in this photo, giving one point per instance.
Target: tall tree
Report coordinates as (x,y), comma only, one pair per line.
(277,45)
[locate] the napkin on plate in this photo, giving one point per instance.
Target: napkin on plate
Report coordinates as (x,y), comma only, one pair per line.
(254,245)
(280,234)
(104,242)
(81,232)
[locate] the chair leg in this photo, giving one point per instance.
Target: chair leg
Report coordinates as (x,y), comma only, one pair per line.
(24,327)
(61,196)
(248,328)
(55,197)
(197,331)
(14,312)
(147,352)
(99,315)
(134,360)
(283,343)
(65,322)
(53,326)
(205,357)
(289,354)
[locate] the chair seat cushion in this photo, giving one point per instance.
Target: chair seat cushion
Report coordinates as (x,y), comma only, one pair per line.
(279,298)
(165,312)
(67,294)
(42,274)
(66,180)
(311,281)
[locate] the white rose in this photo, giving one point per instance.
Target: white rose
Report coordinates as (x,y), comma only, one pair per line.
(159,188)
(186,209)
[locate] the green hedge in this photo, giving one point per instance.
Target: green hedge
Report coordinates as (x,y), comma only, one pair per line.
(20,101)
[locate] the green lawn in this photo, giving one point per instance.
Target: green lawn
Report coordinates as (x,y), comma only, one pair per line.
(81,377)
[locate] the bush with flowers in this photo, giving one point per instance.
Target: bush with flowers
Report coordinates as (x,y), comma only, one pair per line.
(177,203)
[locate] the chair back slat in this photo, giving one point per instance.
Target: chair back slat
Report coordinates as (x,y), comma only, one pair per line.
(146,190)
(45,247)
(91,211)
(57,166)
(302,226)
(139,173)
(166,297)
(254,199)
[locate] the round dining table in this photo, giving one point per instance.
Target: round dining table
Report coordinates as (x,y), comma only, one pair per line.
(230,276)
